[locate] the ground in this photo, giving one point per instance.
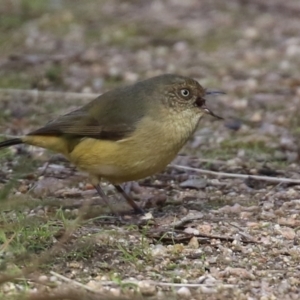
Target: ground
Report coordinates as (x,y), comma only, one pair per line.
(211,236)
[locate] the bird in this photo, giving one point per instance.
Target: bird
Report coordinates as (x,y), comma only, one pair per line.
(127,133)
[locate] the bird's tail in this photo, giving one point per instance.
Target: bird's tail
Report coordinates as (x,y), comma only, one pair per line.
(11,142)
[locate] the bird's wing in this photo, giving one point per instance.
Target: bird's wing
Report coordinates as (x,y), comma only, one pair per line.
(81,123)
(111,116)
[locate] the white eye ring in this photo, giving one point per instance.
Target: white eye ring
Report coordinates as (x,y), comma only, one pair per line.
(185,92)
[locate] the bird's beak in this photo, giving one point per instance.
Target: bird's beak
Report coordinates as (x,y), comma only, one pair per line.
(208,111)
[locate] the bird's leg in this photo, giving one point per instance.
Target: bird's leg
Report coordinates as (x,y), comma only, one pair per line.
(105,199)
(129,200)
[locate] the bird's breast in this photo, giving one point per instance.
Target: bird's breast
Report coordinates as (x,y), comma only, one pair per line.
(152,146)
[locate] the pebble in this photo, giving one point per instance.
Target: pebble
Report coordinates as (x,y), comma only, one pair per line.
(287,232)
(293,51)
(130,76)
(256,117)
(115,292)
(43,278)
(204,228)
(184,293)
(242,273)
(147,288)
(233,124)
(194,184)
(193,243)
(251,33)
(207,279)
(46,186)
(191,230)
(246,215)
(147,216)
(53,278)
(240,104)
(95,285)
(235,209)
(159,250)
(8,287)
(160,295)
(23,188)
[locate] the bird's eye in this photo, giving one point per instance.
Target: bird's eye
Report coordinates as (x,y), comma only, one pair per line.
(185,93)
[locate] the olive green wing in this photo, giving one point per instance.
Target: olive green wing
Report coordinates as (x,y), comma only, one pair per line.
(112,116)
(80,124)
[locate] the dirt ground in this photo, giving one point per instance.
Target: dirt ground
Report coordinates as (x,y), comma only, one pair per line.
(205,236)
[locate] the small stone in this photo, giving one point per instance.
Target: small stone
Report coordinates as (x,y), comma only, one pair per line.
(293,50)
(75,212)
(161,295)
(246,215)
(207,279)
(147,216)
(147,288)
(130,77)
(190,230)
(75,265)
(8,287)
(159,250)
(251,84)
(194,184)
(47,186)
(233,124)
(95,285)
(242,273)
(287,232)
(193,243)
(251,33)
(184,293)
(53,278)
(236,208)
(115,292)
(204,228)
(23,188)
(240,104)
(180,46)
(89,186)
(43,278)
(69,193)
(256,117)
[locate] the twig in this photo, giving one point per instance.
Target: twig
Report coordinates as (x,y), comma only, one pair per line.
(72,281)
(233,175)
(194,284)
(183,221)
(50,94)
(157,283)
(7,242)
(242,233)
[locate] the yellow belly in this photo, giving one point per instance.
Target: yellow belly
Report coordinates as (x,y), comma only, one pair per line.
(120,161)
(148,151)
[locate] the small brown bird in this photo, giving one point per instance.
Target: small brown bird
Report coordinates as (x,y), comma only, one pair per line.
(128,133)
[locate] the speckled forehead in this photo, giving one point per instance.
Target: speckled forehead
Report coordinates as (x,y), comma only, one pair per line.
(184,82)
